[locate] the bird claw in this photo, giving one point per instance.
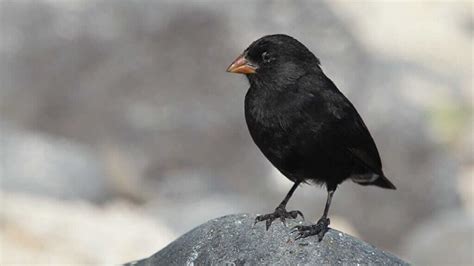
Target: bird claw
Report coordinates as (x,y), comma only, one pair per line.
(296,213)
(319,229)
(283,220)
(268,223)
(279,212)
(295,229)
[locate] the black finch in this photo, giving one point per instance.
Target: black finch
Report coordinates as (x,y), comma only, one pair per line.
(304,125)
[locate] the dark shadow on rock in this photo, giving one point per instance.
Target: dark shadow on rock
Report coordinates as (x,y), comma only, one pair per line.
(235,240)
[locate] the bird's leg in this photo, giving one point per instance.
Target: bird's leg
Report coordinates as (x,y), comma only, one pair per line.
(280,211)
(321,227)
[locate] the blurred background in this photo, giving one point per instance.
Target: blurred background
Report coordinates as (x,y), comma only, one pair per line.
(120,129)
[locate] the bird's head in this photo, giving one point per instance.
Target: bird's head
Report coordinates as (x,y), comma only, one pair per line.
(274,57)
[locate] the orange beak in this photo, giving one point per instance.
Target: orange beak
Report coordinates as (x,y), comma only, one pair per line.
(242,66)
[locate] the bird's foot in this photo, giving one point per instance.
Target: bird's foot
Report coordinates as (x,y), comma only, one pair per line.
(319,229)
(280,212)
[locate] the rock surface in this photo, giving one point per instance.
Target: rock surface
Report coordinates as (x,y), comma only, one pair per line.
(234,240)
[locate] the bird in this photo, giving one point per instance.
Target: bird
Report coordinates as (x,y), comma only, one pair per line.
(304,125)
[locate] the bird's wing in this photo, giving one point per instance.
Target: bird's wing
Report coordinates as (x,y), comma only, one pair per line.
(344,128)
(358,142)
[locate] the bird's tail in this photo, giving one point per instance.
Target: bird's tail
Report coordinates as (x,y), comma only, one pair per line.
(375,180)
(382,181)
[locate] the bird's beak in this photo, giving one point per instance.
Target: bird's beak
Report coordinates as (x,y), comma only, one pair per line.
(242,66)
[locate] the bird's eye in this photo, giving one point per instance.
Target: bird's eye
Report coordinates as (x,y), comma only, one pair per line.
(266,57)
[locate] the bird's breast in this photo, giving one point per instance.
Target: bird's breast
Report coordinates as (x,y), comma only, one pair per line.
(263,114)
(271,127)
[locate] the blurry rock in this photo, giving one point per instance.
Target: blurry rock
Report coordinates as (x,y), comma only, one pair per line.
(234,240)
(35,163)
(422,24)
(148,78)
(39,230)
(466,188)
(123,175)
(445,239)
(182,214)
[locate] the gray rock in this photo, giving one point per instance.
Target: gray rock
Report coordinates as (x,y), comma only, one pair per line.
(234,240)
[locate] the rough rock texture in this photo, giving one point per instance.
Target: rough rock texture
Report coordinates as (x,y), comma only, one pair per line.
(234,240)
